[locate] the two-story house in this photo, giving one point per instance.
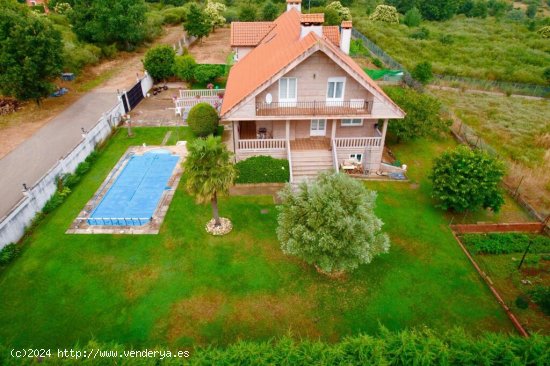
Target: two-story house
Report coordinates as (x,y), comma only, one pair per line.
(295,93)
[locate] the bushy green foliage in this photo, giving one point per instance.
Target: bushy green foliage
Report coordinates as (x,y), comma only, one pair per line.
(423,115)
(516,15)
(546,72)
(522,302)
(63,8)
(174,15)
(408,347)
(422,33)
(497,8)
(331,223)
(56,200)
(184,67)
(357,48)
(203,119)
(30,53)
(248,13)
(386,14)
(467,180)
(110,21)
(9,253)
(197,23)
(263,169)
(270,11)
(377,62)
(79,55)
(206,73)
(541,296)
(437,9)
(544,31)
(413,17)
(159,62)
(423,72)
(505,243)
(343,12)
(531,10)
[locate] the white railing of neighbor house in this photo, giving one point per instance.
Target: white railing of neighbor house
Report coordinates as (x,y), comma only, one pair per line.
(193,93)
(262,144)
(356,142)
(289,158)
(335,157)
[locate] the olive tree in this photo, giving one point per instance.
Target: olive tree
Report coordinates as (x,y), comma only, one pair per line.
(331,223)
(386,14)
(467,180)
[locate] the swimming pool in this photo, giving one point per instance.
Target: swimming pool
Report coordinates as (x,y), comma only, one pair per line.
(134,196)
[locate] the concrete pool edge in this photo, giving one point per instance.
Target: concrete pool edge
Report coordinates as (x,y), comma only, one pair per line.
(80,224)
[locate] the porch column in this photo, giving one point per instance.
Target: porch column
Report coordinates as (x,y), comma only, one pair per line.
(236,136)
(288,131)
(333,134)
(384,129)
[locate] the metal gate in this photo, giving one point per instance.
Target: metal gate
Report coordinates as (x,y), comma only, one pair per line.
(132,97)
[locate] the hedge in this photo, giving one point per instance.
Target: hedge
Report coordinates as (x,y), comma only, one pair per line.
(504,243)
(409,347)
(263,169)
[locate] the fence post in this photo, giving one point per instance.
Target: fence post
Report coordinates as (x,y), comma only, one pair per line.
(517,188)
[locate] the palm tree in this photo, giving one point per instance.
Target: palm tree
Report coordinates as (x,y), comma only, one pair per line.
(209,171)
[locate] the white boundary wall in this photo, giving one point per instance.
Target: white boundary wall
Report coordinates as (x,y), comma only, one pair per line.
(13,226)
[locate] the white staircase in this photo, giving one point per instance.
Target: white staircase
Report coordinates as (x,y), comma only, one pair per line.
(306,164)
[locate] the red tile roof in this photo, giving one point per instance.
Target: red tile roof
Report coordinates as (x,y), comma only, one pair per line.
(312,18)
(347,24)
(249,33)
(277,50)
(294,1)
(332,33)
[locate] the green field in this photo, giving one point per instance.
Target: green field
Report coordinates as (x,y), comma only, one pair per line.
(480,48)
(518,129)
(184,287)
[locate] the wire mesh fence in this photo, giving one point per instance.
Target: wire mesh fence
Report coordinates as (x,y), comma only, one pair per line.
(493,85)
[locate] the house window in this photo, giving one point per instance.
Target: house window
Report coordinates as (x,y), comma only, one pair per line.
(288,89)
(347,122)
(335,89)
(358,157)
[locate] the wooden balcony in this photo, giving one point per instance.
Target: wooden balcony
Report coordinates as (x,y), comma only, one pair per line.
(314,108)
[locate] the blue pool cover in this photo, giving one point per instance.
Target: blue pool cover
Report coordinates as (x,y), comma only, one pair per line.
(135,194)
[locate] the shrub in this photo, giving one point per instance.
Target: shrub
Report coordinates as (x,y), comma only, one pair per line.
(531,11)
(263,169)
(423,115)
(184,67)
(522,302)
(78,56)
(248,13)
(203,119)
(541,296)
(62,8)
(413,17)
(331,223)
(422,33)
(343,12)
(377,62)
(357,48)
(331,16)
(516,15)
(423,72)
(544,31)
(159,62)
(197,23)
(497,7)
(467,180)
(109,51)
(386,14)
(438,10)
(506,243)
(174,15)
(56,200)
(207,73)
(8,254)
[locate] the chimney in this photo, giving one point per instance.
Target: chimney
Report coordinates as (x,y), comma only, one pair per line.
(345,36)
(296,4)
(312,23)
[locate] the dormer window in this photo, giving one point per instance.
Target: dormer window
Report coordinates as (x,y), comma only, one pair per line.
(288,92)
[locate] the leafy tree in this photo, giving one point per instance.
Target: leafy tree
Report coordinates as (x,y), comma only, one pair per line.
(247,13)
(413,17)
(214,11)
(467,180)
(270,11)
(159,62)
(331,223)
(209,171)
(197,23)
(403,6)
(203,119)
(30,53)
(206,73)
(423,115)
(437,9)
(531,11)
(385,13)
(110,21)
(343,12)
(423,72)
(184,67)
(497,8)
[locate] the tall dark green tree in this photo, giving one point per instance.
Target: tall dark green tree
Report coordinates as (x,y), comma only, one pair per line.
(197,23)
(270,11)
(438,9)
(110,21)
(30,53)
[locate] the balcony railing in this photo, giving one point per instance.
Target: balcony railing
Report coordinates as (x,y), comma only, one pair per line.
(262,144)
(314,108)
(357,142)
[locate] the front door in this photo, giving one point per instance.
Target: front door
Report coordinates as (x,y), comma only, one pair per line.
(318,127)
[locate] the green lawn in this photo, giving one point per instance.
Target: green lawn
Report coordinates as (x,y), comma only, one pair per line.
(481,48)
(185,287)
